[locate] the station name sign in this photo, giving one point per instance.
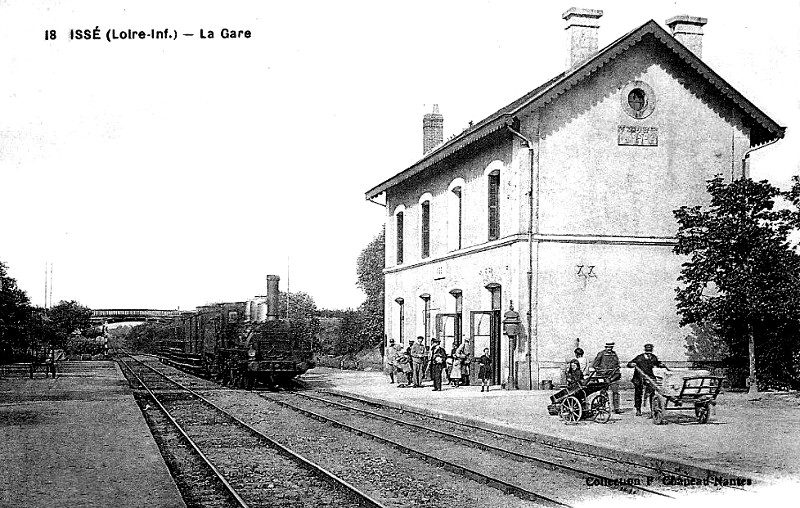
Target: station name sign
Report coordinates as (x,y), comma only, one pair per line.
(633,135)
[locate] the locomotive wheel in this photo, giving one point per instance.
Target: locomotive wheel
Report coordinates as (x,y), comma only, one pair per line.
(658,410)
(702,412)
(601,408)
(571,410)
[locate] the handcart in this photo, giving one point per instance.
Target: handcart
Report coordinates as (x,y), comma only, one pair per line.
(577,403)
(696,392)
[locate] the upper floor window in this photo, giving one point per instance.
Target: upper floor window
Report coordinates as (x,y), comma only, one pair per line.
(458,209)
(455,214)
(426,229)
(494,205)
(399,234)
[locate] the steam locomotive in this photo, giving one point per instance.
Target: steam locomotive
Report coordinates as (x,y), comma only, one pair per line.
(240,343)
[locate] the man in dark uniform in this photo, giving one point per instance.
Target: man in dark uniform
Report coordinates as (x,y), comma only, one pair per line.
(606,363)
(438,359)
(645,361)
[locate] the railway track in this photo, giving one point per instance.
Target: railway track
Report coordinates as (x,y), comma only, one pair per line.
(583,465)
(535,454)
(532,471)
(232,463)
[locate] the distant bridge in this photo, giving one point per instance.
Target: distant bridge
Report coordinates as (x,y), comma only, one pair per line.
(120,315)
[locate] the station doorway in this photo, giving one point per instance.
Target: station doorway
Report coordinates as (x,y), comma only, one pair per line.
(448,330)
(485,333)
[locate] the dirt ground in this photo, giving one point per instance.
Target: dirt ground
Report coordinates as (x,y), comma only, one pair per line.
(78,441)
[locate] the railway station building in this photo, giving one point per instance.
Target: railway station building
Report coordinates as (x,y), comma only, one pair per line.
(560,205)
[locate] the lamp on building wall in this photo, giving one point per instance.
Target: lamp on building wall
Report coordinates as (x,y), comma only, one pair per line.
(511,327)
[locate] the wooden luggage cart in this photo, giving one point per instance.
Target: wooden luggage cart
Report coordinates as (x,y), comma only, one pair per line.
(697,392)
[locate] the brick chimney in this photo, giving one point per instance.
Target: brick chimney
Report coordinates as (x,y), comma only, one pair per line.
(272,297)
(582,27)
(688,30)
(432,130)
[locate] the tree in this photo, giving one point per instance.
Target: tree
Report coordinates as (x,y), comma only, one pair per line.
(741,281)
(302,313)
(144,337)
(67,317)
(15,315)
(369,270)
(301,305)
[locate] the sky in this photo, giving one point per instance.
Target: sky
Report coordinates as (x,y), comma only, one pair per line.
(174,173)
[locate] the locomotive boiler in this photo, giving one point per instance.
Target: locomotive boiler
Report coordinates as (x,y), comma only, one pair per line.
(242,343)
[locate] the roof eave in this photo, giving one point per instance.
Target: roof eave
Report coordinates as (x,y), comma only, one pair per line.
(441,153)
(567,81)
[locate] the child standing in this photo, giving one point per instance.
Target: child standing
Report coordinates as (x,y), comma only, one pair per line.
(485,370)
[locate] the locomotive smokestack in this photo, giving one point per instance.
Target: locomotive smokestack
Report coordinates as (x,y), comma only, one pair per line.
(272,297)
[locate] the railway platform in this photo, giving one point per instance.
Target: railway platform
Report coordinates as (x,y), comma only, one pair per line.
(743,439)
(78,440)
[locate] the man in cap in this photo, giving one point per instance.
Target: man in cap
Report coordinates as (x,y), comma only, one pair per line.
(606,363)
(417,351)
(645,361)
(438,361)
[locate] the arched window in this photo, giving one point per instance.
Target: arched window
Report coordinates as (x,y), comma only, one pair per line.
(399,236)
(426,229)
(494,205)
(455,214)
(458,209)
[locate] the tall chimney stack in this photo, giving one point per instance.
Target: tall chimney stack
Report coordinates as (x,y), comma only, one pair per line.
(432,130)
(688,30)
(582,28)
(272,297)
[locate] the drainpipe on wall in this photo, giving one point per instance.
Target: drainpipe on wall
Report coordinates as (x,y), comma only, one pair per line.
(746,157)
(533,336)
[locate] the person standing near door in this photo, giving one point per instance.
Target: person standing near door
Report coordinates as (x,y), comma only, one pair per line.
(455,370)
(417,351)
(485,370)
(438,360)
(463,354)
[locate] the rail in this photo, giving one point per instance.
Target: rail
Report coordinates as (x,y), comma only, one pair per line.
(329,476)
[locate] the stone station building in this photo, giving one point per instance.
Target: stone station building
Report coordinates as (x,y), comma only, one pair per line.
(561,203)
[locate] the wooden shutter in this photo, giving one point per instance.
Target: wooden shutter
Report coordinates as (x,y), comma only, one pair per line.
(494,205)
(426,229)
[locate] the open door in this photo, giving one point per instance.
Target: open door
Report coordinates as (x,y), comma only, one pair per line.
(448,330)
(485,333)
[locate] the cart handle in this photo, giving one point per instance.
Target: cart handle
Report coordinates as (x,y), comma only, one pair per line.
(647,378)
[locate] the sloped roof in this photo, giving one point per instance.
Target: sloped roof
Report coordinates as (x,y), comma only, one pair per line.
(764,129)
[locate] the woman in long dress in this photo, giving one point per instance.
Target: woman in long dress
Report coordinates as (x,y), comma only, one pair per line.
(455,371)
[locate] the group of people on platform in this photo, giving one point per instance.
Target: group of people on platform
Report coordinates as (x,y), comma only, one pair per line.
(416,362)
(606,363)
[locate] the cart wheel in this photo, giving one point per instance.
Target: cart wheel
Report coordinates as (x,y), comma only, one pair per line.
(571,409)
(657,407)
(601,408)
(702,411)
